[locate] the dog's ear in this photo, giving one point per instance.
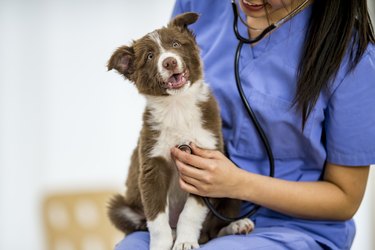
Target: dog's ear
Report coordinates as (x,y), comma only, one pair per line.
(122,60)
(185,19)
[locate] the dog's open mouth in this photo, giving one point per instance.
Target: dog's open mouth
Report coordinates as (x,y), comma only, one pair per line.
(177,80)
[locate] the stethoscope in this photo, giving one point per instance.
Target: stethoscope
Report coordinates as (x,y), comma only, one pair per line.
(241,41)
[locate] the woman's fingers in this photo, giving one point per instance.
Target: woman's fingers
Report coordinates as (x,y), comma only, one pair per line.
(190,171)
(194,186)
(189,159)
(186,186)
(205,153)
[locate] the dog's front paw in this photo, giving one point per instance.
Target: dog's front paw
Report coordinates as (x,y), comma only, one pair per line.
(185,245)
(243,226)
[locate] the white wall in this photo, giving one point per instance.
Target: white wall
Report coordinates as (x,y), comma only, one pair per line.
(65,122)
(365,219)
(372,9)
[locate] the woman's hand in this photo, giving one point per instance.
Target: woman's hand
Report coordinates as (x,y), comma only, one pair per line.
(206,172)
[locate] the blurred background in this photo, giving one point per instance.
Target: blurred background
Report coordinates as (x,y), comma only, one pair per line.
(67,126)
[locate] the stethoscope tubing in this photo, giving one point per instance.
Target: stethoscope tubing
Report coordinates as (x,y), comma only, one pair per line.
(261,134)
(251,113)
(241,41)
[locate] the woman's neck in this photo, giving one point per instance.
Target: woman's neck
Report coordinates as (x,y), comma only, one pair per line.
(258,24)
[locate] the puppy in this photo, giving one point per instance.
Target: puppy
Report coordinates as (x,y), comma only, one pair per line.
(166,68)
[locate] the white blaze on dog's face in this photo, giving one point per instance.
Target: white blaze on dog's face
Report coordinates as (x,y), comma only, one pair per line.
(164,62)
(170,65)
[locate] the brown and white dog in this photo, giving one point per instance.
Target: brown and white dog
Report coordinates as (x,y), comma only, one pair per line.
(166,68)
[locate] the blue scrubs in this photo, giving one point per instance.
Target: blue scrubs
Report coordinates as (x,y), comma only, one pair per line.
(340,129)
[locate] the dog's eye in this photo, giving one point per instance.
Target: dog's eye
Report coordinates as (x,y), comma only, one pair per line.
(150,56)
(176,44)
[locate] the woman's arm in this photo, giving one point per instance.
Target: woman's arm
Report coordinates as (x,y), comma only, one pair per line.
(337,197)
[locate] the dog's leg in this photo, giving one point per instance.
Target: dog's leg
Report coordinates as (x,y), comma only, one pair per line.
(154,182)
(190,224)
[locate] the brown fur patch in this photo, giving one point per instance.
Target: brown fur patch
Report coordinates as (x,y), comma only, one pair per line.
(212,120)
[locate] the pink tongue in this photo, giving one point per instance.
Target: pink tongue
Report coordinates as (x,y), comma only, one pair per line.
(175,79)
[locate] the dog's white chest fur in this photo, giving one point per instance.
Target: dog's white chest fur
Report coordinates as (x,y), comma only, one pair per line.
(178,119)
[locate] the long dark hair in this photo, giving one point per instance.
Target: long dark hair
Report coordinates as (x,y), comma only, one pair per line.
(335,27)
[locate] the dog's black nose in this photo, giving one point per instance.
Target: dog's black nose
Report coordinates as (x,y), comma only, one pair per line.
(170,63)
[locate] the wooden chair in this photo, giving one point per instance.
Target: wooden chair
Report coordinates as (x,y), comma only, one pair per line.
(78,221)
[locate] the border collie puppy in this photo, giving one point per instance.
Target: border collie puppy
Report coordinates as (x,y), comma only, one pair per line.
(166,68)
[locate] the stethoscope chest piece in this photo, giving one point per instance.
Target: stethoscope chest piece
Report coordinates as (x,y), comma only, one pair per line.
(186,148)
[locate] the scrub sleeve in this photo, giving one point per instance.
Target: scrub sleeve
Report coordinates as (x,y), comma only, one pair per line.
(350,116)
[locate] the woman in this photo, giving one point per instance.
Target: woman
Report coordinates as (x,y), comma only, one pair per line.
(311,83)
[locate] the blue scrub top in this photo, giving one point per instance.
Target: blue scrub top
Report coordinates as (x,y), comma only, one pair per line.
(268,74)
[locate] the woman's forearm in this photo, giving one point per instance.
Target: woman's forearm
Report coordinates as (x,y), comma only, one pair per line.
(309,200)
